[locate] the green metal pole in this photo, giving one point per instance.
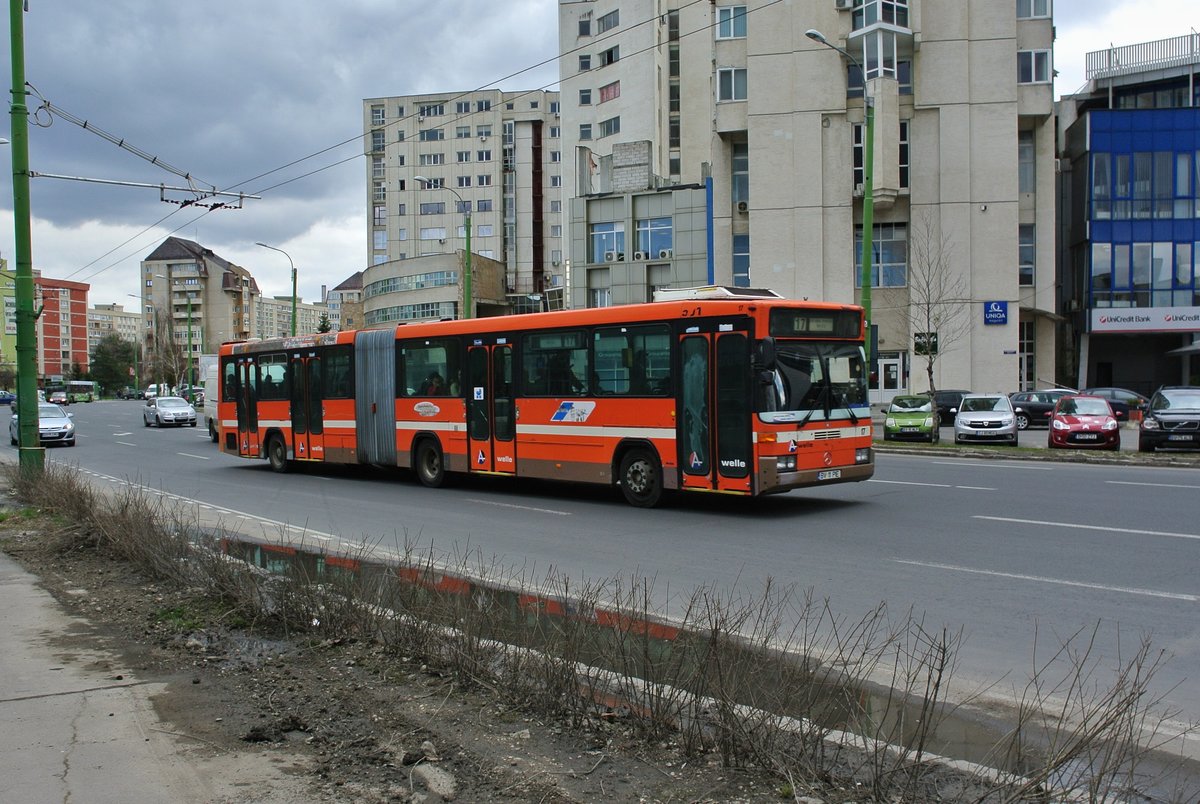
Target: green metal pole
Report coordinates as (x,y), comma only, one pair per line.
(468,311)
(32,457)
(293,294)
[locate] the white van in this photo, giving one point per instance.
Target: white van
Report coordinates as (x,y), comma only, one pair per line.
(210,402)
(151,391)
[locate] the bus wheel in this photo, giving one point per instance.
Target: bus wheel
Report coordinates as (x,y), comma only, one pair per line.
(641,479)
(277,454)
(431,468)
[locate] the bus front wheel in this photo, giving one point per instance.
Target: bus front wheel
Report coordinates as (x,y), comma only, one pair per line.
(431,466)
(641,478)
(277,454)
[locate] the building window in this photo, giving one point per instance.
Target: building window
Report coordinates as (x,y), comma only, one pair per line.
(610,126)
(739,170)
(1033,66)
(484,181)
(484,230)
(379,192)
(555,132)
(585,97)
(610,56)
(432,110)
(377,140)
(556,181)
(380,239)
(1026,162)
(889,263)
(674,127)
(556,156)
(556,230)
(377,115)
(654,235)
(402,233)
(879,53)
(461,132)
(585,131)
(377,167)
(462,156)
(462,107)
(1027,342)
(433,208)
(402,185)
(1031,9)
(483,205)
(431,135)
(431,159)
(731,22)
(483,106)
(464,181)
(585,27)
(1026,254)
(607,241)
(401,209)
(556,206)
(483,131)
(433,233)
(380,215)
(741,261)
(731,84)
(400,135)
(607,22)
(462,207)
(610,91)
(585,62)
(872,12)
(857,131)
(904,152)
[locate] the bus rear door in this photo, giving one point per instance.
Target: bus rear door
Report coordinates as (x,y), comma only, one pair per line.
(307,406)
(715,453)
(491,417)
(246,399)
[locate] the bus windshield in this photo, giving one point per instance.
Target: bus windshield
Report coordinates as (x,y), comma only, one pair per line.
(814,380)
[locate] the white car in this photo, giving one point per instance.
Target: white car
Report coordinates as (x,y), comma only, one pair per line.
(985,417)
(168,410)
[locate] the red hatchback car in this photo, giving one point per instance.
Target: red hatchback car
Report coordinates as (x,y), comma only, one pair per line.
(1084,421)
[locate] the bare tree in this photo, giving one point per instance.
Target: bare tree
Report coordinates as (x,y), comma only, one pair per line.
(166,360)
(938,304)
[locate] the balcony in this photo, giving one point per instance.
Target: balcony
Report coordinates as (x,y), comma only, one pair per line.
(1162,54)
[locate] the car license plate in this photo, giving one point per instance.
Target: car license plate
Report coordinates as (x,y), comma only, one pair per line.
(1087,436)
(1179,437)
(910,429)
(829,474)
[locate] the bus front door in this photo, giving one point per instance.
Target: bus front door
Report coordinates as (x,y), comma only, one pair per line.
(307,407)
(491,411)
(246,400)
(713,438)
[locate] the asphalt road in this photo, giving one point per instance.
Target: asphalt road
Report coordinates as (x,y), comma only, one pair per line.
(1019,554)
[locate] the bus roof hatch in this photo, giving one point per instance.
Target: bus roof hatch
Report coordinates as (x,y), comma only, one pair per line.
(713,292)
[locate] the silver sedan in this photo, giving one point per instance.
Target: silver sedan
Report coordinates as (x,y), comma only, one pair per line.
(986,417)
(168,410)
(54,426)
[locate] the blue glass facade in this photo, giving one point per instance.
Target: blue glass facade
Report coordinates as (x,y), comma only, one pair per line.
(1143,209)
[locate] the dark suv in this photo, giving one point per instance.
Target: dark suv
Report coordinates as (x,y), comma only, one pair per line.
(947,403)
(1172,419)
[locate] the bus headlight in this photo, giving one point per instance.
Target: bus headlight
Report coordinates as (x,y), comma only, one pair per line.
(786,463)
(862,455)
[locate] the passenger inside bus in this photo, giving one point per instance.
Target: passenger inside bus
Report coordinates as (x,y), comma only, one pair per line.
(433,385)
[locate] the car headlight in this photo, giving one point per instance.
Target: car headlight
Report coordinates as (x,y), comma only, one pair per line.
(1059,425)
(889,422)
(1149,423)
(1006,421)
(1111,424)
(929,421)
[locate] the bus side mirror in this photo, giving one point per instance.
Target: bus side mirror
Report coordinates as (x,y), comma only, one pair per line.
(766,354)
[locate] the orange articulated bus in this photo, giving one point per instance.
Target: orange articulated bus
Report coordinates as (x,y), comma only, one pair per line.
(716,390)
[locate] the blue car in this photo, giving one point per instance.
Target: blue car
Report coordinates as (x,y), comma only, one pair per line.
(7,397)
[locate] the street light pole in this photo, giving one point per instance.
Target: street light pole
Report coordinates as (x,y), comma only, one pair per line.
(868,215)
(31,455)
(466,207)
(293,266)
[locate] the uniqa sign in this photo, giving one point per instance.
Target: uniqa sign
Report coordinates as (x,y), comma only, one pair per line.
(995,312)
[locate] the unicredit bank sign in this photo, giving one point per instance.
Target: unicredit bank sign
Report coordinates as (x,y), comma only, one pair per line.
(1146,319)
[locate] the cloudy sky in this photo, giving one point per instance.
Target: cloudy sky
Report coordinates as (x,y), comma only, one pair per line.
(243,94)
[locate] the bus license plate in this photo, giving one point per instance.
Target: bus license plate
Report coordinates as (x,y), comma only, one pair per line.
(1179,437)
(829,474)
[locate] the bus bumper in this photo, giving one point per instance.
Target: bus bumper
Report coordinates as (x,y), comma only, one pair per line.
(773,481)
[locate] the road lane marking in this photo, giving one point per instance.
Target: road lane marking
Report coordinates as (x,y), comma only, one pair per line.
(996,465)
(520,507)
(122,434)
(1056,581)
(930,485)
(127,443)
(1152,485)
(190,455)
(1132,531)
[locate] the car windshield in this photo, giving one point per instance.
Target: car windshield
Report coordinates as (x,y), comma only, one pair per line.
(976,404)
(1177,399)
(915,404)
(1083,406)
(51,412)
(169,402)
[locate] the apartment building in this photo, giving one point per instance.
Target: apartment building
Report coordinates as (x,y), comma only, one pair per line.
(1131,216)
(482,166)
(340,303)
(736,98)
(62,328)
(273,316)
(112,319)
(195,298)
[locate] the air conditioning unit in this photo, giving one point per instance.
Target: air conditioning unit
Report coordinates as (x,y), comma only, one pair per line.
(420,118)
(858,190)
(743,206)
(843,5)
(640,255)
(610,256)
(665,253)
(556,263)
(483,137)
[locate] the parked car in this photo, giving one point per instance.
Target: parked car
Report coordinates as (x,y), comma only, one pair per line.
(1033,408)
(54,426)
(129,392)
(911,418)
(1084,421)
(1121,400)
(947,404)
(985,417)
(59,398)
(1172,419)
(7,397)
(164,410)
(150,392)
